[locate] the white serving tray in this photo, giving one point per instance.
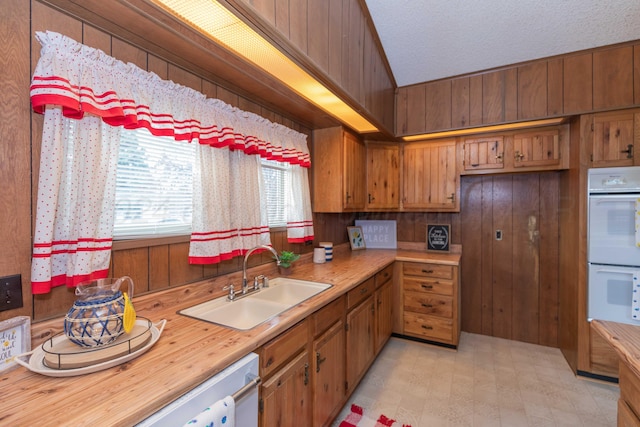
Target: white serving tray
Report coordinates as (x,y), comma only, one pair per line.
(36,361)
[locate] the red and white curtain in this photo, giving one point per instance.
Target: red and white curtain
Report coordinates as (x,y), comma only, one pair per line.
(76,195)
(82,83)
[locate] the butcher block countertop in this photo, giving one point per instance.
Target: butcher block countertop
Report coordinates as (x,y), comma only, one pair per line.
(188,352)
(624,338)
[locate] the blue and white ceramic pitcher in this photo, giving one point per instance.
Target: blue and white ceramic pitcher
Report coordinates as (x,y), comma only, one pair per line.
(96,316)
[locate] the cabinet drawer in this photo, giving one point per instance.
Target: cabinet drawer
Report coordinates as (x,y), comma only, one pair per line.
(630,388)
(428,327)
(279,350)
(428,270)
(415,284)
(384,275)
(360,292)
(322,319)
(426,303)
(626,417)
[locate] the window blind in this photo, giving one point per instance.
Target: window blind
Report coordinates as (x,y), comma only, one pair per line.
(275,175)
(153,186)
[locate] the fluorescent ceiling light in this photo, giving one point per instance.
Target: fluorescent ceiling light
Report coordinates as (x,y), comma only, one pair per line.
(485,129)
(219,24)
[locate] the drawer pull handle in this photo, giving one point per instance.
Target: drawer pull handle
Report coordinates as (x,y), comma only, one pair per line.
(427,305)
(363,291)
(427,327)
(427,271)
(424,286)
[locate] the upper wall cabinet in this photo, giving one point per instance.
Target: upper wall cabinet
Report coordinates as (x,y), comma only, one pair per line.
(429,177)
(602,79)
(614,138)
(339,183)
(483,153)
(531,150)
(383,176)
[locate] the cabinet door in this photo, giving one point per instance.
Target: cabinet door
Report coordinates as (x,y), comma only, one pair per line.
(613,139)
(484,153)
(328,374)
(383,176)
(384,319)
(430,180)
(286,395)
(536,149)
(360,340)
(354,173)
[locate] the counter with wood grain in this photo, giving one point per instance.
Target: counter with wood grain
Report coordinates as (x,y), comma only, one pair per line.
(625,339)
(188,352)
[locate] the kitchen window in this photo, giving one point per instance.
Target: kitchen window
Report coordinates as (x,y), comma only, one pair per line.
(154,188)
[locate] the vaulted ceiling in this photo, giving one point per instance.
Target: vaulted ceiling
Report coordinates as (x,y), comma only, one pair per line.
(427,40)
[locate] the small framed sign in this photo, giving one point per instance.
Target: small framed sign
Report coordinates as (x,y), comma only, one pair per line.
(356,238)
(379,234)
(438,236)
(15,339)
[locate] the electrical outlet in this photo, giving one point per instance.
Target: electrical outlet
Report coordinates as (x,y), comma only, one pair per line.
(10,292)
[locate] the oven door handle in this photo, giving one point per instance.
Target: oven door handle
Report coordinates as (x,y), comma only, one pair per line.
(613,199)
(613,270)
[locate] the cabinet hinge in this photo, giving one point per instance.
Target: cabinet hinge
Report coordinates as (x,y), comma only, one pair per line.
(592,127)
(261,405)
(346,327)
(346,385)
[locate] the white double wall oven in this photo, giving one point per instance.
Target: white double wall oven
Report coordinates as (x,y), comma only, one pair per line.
(613,252)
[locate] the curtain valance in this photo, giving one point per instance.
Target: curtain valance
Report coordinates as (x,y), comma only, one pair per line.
(81,79)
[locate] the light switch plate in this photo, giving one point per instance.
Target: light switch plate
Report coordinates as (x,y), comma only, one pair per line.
(10,292)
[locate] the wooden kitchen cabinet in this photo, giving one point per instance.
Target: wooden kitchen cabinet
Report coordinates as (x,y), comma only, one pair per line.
(539,149)
(430,181)
(360,331)
(339,171)
(384,307)
(383,176)
(286,397)
(285,393)
(431,301)
(484,153)
(536,149)
(328,364)
(615,139)
(629,402)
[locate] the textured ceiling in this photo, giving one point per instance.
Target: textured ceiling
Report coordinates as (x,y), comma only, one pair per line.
(427,40)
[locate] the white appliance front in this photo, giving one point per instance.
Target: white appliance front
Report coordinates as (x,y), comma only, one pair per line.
(612,232)
(610,293)
(225,383)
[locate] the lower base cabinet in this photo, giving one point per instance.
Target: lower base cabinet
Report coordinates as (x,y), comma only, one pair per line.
(629,402)
(328,375)
(286,397)
(431,301)
(360,329)
(384,314)
(310,370)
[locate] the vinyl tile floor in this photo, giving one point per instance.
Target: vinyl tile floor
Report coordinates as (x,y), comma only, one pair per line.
(488,382)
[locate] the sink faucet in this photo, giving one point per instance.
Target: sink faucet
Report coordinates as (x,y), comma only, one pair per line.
(245,285)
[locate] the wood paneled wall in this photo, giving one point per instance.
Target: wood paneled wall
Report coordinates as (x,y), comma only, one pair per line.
(509,288)
(153,267)
(340,40)
(600,79)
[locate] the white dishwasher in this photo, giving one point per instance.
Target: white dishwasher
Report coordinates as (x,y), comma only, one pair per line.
(239,380)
